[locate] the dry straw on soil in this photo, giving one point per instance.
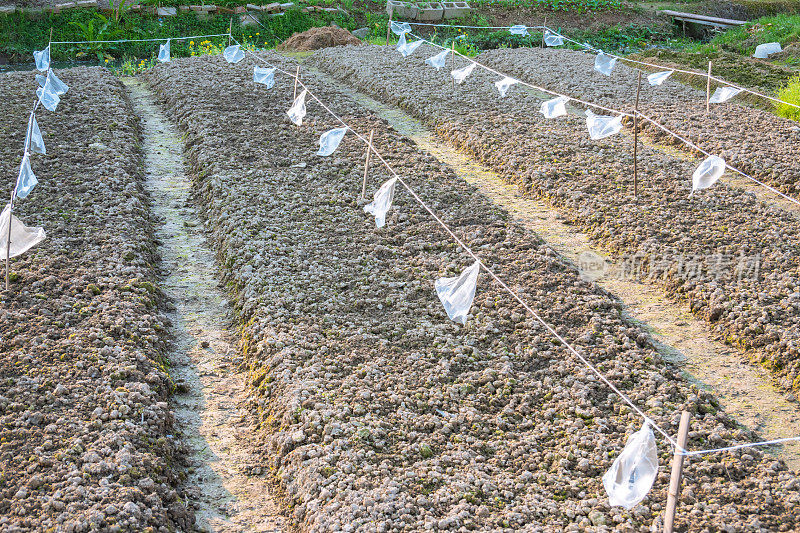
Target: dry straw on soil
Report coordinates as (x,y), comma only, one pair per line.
(317,38)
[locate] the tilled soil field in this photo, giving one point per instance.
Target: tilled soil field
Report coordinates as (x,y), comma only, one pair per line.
(84,425)
(377,412)
(732,257)
(754,141)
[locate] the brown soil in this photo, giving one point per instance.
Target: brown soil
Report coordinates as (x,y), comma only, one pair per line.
(317,38)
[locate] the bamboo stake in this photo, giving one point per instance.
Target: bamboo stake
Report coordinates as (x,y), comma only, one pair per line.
(636,136)
(366,166)
(544,30)
(230,31)
(677,470)
(453,53)
(708,90)
(389,27)
(296,79)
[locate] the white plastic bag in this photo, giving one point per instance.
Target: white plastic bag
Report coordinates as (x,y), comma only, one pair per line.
(42,59)
(456,294)
(410,48)
(400,28)
(401,43)
(461,74)
(381,202)
(633,472)
(47,96)
(58,86)
(264,76)
(604,63)
(438,60)
(723,94)
(298,109)
(233,54)
(329,141)
(551,39)
(519,29)
(163,52)
(35,135)
(23,238)
(602,126)
(708,172)
(554,108)
(26,180)
(657,78)
(504,84)
(763,51)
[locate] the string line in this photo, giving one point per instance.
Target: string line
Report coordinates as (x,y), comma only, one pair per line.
(593,49)
(649,119)
(472,254)
(738,446)
(162,39)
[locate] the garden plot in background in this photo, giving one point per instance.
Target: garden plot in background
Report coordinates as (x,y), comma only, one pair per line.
(731,256)
(81,339)
(379,410)
(755,141)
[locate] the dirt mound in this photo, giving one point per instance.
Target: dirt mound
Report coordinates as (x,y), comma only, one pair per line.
(317,38)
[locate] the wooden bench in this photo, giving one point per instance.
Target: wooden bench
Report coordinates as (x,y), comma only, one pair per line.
(703,19)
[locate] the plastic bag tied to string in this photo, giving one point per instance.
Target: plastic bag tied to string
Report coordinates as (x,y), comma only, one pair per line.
(381,202)
(409,48)
(264,76)
(504,84)
(633,472)
(551,39)
(556,107)
(657,78)
(604,64)
(35,136)
(400,28)
(42,58)
(763,51)
(461,74)
(708,172)
(163,52)
(456,294)
(233,54)
(602,126)
(26,180)
(329,141)
(723,94)
(438,60)
(23,238)
(48,96)
(58,86)
(298,109)
(519,29)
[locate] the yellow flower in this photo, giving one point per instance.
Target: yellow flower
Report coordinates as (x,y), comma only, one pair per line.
(191,42)
(257,33)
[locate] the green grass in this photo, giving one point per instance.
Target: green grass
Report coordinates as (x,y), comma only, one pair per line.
(783,29)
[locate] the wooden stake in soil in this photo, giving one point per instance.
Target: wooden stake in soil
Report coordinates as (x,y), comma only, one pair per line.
(366,166)
(677,470)
(708,90)
(453,53)
(230,31)
(296,79)
(636,136)
(389,27)
(8,238)
(544,29)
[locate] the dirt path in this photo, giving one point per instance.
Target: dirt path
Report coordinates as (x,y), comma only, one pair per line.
(209,403)
(746,393)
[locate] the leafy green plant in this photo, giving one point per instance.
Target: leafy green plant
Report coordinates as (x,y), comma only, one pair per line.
(119,8)
(790,92)
(99,28)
